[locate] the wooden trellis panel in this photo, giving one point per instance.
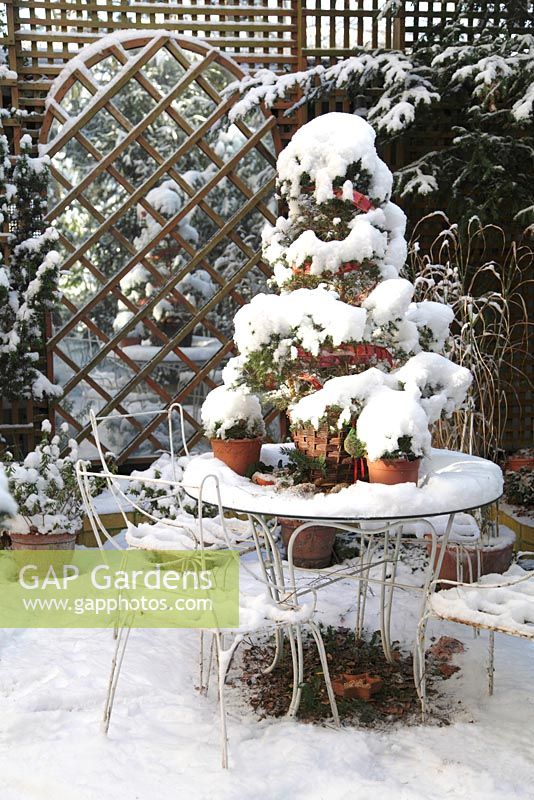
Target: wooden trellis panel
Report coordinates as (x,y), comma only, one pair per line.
(90,103)
(42,36)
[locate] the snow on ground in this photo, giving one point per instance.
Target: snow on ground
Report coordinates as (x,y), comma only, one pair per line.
(163,740)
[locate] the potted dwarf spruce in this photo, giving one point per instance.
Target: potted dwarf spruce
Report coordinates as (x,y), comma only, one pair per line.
(393,431)
(45,488)
(234,424)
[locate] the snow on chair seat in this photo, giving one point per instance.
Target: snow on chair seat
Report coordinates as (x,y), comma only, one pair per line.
(182,533)
(497,603)
(502,603)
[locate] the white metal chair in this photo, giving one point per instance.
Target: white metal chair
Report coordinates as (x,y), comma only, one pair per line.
(273,608)
(497,603)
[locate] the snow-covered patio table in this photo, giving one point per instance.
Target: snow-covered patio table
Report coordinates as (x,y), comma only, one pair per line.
(451,483)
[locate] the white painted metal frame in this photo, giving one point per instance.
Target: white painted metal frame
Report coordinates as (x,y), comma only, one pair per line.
(372,538)
(290,617)
(495,625)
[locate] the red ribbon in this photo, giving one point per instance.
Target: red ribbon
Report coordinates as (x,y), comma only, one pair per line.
(359,469)
(357,354)
(311,379)
(359,200)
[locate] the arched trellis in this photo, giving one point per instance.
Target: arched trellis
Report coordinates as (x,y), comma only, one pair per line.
(127,99)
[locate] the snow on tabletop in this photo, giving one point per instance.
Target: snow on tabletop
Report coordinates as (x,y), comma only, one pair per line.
(388,416)
(440,383)
(307,315)
(449,481)
(224,409)
(324,149)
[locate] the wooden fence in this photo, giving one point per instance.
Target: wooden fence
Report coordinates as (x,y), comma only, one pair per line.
(110,155)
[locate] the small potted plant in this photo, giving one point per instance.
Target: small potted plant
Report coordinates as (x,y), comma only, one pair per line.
(45,488)
(234,424)
(393,430)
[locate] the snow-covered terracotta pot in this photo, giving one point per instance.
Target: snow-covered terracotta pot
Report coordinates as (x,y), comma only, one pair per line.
(238,454)
(42,541)
(392,471)
(469,562)
(313,546)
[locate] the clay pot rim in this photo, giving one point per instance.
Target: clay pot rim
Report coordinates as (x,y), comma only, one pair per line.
(392,461)
(520,461)
(244,439)
(21,541)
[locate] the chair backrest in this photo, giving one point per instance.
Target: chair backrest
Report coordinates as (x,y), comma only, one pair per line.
(85,479)
(126,503)
(169,413)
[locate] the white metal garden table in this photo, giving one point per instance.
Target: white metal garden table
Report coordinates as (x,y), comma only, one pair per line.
(379,516)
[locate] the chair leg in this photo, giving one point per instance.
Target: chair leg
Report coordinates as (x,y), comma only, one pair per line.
(419,666)
(298,673)
(491,662)
(221,673)
(278,642)
(123,635)
(295,663)
(205,663)
(326,672)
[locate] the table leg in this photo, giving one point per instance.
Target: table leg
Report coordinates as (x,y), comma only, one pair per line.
(366,556)
(386,594)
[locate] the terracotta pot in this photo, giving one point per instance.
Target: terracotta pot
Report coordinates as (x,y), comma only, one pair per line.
(515,463)
(263,480)
(492,560)
(42,541)
(313,546)
(128,341)
(359,687)
(238,454)
(393,471)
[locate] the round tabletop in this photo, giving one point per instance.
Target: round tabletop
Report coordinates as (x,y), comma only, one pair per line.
(450,482)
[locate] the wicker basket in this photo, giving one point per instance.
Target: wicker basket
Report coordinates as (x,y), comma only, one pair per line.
(329,444)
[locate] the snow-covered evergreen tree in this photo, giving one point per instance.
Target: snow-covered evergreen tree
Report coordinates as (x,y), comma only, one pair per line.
(344,337)
(29,280)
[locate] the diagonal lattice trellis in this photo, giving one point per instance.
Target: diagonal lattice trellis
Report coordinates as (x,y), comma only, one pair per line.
(123,129)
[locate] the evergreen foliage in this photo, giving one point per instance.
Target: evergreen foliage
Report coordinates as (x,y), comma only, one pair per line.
(475,72)
(29,278)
